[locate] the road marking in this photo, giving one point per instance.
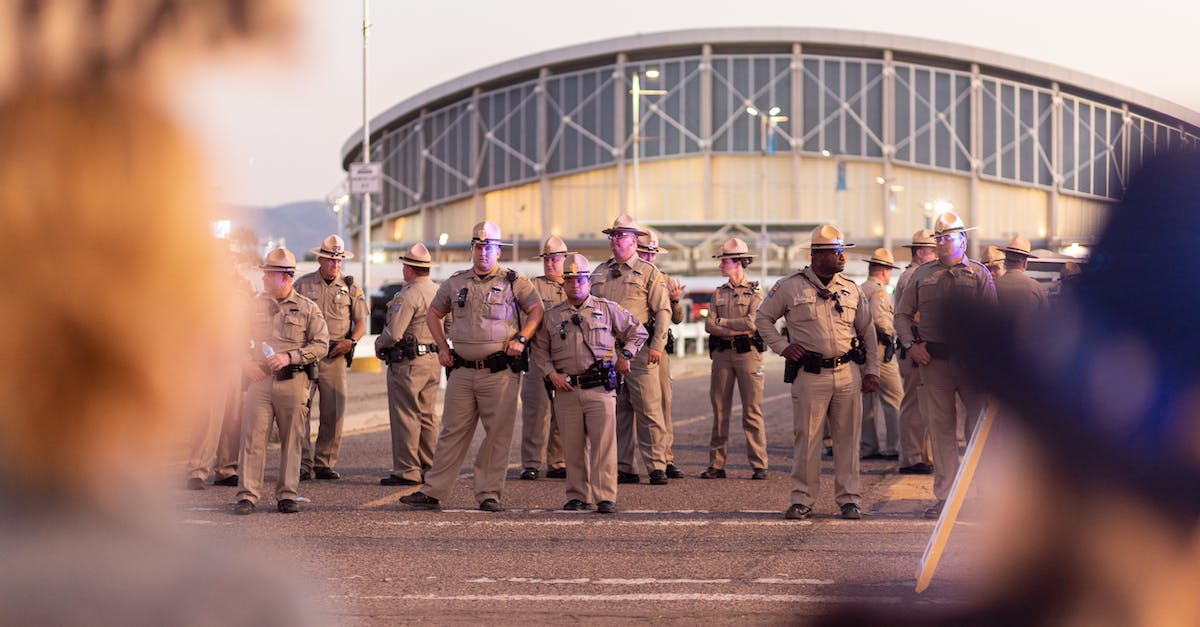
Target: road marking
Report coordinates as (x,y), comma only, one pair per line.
(599,522)
(648,596)
(733,411)
(603,582)
(794,582)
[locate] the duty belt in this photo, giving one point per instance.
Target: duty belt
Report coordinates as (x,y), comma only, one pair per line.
(834,362)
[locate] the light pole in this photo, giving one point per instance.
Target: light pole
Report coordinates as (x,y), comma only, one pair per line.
(364,229)
(636,94)
(768,122)
(442,239)
(891,188)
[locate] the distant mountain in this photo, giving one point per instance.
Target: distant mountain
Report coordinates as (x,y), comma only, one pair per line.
(298,225)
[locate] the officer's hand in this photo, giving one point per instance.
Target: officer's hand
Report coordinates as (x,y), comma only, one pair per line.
(560,382)
(870,383)
(514,348)
(253,371)
(675,289)
(654,356)
(623,366)
(278,361)
(920,354)
(339,348)
(445,358)
(793,352)
(380,356)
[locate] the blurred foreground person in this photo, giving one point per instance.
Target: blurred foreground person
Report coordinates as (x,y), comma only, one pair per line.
(120,329)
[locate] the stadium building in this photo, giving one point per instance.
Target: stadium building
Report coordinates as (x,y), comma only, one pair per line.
(713,133)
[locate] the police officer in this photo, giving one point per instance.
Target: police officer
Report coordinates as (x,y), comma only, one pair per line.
(994,261)
(639,287)
(882,440)
(954,275)
(413,373)
(828,321)
(649,250)
(736,351)
(489,344)
(539,430)
(916,458)
(1016,291)
(345,309)
(289,336)
(581,345)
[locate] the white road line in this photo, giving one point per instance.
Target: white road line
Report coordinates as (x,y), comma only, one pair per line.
(602,582)
(595,521)
(643,597)
(794,582)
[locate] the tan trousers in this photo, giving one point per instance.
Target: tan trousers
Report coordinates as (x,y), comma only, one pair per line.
(475,396)
(331,388)
(835,393)
(588,420)
(940,383)
(217,440)
(266,401)
(914,428)
(412,386)
(664,384)
(881,412)
(744,369)
(639,406)
(539,427)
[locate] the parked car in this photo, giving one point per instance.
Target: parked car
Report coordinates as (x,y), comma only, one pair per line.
(701,300)
(379,305)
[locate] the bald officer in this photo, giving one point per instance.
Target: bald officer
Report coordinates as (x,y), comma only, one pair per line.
(952,275)
(881,408)
(580,346)
(289,336)
(736,351)
(639,287)
(828,321)
(915,455)
(488,301)
(649,250)
(539,430)
(1016,291)
(345,309)
(413,372)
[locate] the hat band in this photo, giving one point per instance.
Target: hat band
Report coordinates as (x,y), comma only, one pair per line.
(333,252)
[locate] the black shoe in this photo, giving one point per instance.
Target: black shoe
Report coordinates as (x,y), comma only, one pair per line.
(490,505)
(575,505)
(935,512)
(556,473)
(919,468)
(195,483)
(394,480)
(243,508)
(890,456)
(230,482)
(850,511)
(288,506)
(305,475)
(713,473)
(606,507)
(628,477)
(658,477)
(797,512)
(422,500)
(673,472)
(875,455)
(529,474)
(759,474)
(327,474)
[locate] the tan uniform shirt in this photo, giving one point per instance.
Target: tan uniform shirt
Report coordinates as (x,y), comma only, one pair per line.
(639,287)
(293,325)
(930,287)
(813,322)
(732,309)
(882,311)
(1020,292)
(602,321)
(550,291)
(406,314)
(341,304)
(487,317)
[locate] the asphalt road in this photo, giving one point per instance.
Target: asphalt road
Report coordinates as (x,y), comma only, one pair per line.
(711,551)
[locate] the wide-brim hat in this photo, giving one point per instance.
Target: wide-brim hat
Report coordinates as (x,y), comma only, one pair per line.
(949,222)
(648,243)
(827,237)
(993,255)
(576,265)
(923,238)
(554,245)
(1108,389)
(487,233)
(279,260)
(1019,245)
(734,248)
(332,247)
(624,222)
(883,257)
(417,256)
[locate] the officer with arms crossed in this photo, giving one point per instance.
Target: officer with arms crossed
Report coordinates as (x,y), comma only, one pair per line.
(289,336)
(486,365)
(413,373)
(952,276)
(736,351)
(345,309)
(829,323)
(539,429)
(649,250)
(582,344)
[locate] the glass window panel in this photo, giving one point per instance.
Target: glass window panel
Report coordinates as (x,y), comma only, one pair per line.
(742,140)
(987,128)
(873,108)
(941,133)
(1026,158)
(962,123)
(1008,131)
(832,105)
(854,130)
(1045,176)
(812,106)
(1070,146)
(922,118)
(1086,129)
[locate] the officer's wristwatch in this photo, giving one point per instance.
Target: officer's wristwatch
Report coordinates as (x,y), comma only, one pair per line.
(625,352)
(907,345)
(523,340)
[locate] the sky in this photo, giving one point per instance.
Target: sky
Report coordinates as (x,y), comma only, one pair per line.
(273,126)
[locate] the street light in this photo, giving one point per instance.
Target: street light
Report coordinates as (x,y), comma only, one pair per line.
(636,93)
(891,188)
(442,239)
(768,122)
